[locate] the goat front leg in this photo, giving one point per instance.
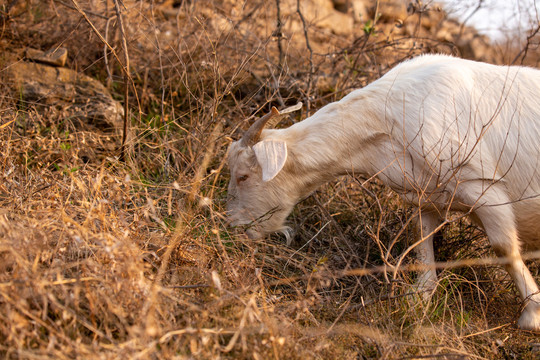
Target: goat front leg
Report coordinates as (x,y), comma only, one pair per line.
(426,226)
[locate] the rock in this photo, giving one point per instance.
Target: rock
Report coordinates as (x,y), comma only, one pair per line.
(323,14)
(476,47)
(54,56)
(356,8)
(81,97)
(388,10)
(318,13)
(359,10)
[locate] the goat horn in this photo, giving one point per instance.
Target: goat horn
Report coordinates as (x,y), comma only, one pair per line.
(276,119)
(252,135)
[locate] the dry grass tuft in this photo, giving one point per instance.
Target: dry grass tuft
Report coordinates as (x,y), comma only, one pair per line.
(107,259)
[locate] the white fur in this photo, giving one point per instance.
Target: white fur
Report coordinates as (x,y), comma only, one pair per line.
(447,134)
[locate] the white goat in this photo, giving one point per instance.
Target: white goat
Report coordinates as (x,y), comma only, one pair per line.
(447,134)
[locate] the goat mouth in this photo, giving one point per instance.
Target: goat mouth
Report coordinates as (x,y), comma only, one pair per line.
(247,226)
(253,234)
(232,222)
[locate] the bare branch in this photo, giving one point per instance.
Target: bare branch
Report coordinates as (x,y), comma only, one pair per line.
(311,66)
(126,79)
(523,52)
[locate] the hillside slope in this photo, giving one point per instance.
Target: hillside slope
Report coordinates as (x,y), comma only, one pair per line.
(110,258)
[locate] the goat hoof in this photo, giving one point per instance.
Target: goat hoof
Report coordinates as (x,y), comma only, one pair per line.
(530,317)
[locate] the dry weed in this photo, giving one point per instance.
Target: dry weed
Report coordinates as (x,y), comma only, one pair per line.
(107,259)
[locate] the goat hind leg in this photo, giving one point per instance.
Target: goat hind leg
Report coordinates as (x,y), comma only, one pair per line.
(499,223)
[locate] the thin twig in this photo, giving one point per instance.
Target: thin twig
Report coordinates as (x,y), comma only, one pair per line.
(523,52)
(487,330)
(196,286)
(498,261)
(77,9)
(162,79)
(464,22)
(96,31)
(201,170)
(311,66)
(4,15)
(126,79)
(105,55)
(279,34)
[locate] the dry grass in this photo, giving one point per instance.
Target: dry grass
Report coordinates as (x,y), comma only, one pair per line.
(107,259)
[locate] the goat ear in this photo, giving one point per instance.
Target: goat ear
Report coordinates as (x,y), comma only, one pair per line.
(271,156)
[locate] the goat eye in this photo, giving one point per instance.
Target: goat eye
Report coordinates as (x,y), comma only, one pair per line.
(242,178)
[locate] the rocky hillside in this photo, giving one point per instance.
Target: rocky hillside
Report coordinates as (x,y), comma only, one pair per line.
(319,48)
